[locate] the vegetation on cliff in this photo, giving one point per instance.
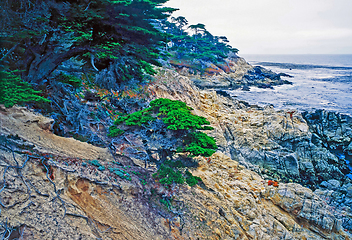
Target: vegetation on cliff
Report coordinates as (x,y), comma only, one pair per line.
(171,120)
(92,61)
(41,35)
(194,47)
(15,91)
(168,127)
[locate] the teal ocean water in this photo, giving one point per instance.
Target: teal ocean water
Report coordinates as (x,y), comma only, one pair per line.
(319,82)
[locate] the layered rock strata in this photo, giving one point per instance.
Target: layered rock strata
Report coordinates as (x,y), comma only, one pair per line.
(60,188)
(278,145)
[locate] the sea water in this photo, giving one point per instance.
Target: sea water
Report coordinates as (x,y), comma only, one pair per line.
(319,82)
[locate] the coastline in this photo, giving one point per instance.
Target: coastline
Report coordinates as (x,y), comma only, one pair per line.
(277,144)
(318,157)
(270,178)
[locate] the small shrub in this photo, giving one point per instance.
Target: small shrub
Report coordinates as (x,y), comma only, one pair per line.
(69,79)
(80,137)
(137,118)
(164,202)
(121,173)
(199,143)
(177,116)
(14,91)
(192,180)
(143,182)
(136,173)
(114,131)
(172,124)
(95,163)
(167,175)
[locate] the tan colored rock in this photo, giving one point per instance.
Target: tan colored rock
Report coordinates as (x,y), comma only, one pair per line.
(232,203)
(34,128)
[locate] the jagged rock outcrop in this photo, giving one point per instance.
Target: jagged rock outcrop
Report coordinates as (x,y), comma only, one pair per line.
(241,75)
(276,144)
(331,130)
(61,188)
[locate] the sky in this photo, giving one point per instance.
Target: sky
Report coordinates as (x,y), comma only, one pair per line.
(275,26)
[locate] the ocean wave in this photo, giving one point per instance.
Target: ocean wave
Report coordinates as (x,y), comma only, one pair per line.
(300,66)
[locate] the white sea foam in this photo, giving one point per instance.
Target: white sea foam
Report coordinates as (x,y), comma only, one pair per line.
(320,82)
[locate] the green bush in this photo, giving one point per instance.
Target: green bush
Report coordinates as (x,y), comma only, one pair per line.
(165,203)
(176,130)
(166,175)
(14,91)
(192,180)
(115,131)
(199,143)
(121,173)
(95,163)
(178,117)
(69,79)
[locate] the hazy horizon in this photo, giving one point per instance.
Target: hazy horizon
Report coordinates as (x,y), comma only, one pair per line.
(275,26)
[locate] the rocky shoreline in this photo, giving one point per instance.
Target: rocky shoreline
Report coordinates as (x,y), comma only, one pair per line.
(311,197)
(280,145)
(283,146)
(309,148)
(241,76)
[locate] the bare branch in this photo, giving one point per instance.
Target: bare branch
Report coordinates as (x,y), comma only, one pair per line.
(9,52)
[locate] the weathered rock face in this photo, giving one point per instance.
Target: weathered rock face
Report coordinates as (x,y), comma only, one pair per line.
(331,130)
(241,75)
(84,203)
(241,205)
(56,189)
(276,144)
(50,192)
(260,138)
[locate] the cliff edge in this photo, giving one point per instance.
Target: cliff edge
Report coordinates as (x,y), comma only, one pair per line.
(60,188)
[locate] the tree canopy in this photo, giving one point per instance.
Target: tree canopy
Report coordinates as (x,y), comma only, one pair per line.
(167,127)
(174,127)
(37,36)
(202,45)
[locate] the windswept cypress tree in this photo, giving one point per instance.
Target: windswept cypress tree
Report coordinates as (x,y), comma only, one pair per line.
(202,45)
(43,34)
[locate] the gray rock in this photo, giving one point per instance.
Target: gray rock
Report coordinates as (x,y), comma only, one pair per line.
(307,167)
(347,188)
(324,184)
(333,184)
(291,164)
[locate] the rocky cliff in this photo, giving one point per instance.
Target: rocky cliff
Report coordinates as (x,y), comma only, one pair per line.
(60,188)
(238,74)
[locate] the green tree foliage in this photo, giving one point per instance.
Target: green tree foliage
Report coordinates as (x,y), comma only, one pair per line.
(69,79)
(179,122)
(202,45)
(168,174)
(170,125)
(197,28)
(43,34)
(14,91)
(199,144)
(192,180)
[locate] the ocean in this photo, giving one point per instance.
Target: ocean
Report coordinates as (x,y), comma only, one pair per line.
(319,82)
